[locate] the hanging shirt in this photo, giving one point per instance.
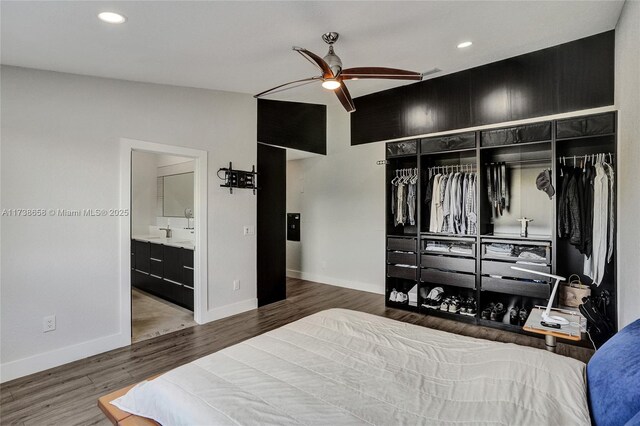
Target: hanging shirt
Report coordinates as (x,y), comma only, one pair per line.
(595,265)
(435,202)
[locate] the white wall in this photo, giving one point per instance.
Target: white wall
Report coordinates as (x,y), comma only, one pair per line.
(627,98)
(60,149)
(342,206)
(144,191)
(295,188)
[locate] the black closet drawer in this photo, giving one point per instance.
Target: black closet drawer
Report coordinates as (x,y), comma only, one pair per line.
(186,257)
(537,132)
(601,124)
(521,288)
(451,263)
(435,276)
(402,148)
(504,270)
(401,258)
(400,272)
(448,143)
(402,244)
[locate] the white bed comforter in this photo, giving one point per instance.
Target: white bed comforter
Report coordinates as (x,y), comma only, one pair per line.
(341,367)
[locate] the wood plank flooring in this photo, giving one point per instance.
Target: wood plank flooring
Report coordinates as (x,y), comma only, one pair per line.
(67,395)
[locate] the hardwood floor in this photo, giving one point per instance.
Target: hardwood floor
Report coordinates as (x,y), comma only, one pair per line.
(67,395)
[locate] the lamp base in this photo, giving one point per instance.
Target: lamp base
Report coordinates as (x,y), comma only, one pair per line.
(554,320)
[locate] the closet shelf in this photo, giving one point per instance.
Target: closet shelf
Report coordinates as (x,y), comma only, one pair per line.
(448,237)
(499,238)
(449,315)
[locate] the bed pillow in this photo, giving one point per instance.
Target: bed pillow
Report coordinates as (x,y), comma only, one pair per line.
(613,378)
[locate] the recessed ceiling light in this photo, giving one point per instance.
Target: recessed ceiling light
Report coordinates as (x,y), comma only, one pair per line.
(464,44)
(112,17)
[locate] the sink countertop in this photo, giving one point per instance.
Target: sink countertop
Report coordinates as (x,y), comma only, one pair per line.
(173,242)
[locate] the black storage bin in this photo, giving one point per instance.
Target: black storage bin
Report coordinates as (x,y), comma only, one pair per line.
(395,149)
(448,143)
(601,124)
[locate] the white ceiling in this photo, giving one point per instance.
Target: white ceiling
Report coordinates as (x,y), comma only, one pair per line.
(246,46)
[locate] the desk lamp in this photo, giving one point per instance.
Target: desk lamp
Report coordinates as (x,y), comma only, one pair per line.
(546,317)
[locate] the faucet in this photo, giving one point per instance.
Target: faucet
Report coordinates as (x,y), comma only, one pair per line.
(167,229)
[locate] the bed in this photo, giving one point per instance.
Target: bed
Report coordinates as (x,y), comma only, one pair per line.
(344,367)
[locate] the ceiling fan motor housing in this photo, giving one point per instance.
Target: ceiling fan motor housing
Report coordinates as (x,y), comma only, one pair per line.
(333,61)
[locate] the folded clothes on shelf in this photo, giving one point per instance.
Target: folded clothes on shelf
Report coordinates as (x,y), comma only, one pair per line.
(433,246)
(499,249)
(461,249)
(532,253)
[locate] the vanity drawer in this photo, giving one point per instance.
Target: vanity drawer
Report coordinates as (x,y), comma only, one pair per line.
(401,258)
(400,272)
(186,257)
(187,276)
(156,267)
(156,251)
(504,270)
(402,244)
(451,263)
(521,288)
(435,276)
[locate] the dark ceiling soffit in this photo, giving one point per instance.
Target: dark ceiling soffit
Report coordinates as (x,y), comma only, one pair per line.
(294,125)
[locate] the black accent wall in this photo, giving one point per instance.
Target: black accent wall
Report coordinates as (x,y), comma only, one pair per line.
(569,77)
(294,125)
(272,225)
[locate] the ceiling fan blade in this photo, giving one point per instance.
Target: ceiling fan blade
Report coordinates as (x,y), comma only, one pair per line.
(379,72)
(316,60)
(345,97)
(287,86)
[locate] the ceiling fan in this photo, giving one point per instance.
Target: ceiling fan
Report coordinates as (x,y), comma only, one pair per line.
(333,75)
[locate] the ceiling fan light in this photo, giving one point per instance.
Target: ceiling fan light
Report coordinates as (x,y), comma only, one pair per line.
(331,84)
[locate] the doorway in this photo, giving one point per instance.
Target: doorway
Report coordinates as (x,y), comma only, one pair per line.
(163,239)
(162,244)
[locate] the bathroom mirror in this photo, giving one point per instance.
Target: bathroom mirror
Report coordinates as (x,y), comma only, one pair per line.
(177,194)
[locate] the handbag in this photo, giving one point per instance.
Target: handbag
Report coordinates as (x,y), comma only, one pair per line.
(572,292)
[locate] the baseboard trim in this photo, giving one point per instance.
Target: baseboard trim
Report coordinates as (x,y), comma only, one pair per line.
(43,361)
(355,285)
(231,309)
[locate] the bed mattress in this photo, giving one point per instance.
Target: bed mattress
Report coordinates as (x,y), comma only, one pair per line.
(341,367)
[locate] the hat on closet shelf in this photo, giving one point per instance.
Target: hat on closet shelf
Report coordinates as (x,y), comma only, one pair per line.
(543,183)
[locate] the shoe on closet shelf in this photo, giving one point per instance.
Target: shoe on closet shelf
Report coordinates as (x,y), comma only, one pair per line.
(444,306)
(454,305)
(470,307)
(424,293)
(514,315)
(393,295)
(486,312)
(524,314)
(498,312)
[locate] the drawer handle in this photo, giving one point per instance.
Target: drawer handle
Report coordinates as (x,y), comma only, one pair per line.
(187,267)
(186,286)
(173,282)
(156,276)
(142,272)
(155,260)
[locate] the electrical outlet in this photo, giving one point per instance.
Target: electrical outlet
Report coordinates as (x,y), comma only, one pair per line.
(248,230)
(48,323)
(236,285)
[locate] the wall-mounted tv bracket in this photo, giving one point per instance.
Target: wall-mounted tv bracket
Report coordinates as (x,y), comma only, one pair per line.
(239,178)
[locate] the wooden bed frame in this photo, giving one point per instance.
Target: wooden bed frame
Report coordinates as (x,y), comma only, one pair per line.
(119,417)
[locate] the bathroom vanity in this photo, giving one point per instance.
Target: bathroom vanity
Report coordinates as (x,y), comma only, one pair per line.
(164,268)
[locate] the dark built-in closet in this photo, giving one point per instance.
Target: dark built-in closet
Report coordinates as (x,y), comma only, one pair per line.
(464,262)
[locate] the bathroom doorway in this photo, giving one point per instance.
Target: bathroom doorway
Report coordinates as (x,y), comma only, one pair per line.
(164,238)
(162,244)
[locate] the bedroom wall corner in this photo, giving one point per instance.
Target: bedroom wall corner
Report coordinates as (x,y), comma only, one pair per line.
(627,98)
(342,207)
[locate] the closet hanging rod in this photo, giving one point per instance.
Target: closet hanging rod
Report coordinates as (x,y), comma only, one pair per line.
(537,160)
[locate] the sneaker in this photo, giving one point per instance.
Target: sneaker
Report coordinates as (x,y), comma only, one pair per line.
(454,305)
(514,317)
(523,314)
(498,312)
(393,295)
(486,313)
(444,306)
